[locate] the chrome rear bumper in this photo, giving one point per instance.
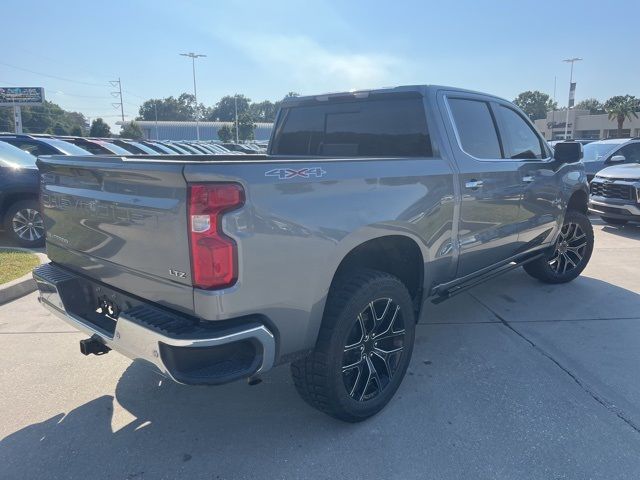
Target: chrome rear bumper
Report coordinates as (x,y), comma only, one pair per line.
(190,355)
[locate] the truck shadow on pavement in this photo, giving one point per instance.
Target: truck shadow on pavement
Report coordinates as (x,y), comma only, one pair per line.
(158,429)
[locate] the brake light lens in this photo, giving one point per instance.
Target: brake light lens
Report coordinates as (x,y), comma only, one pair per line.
(214,256)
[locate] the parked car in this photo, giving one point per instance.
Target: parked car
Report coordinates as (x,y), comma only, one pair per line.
(96,146)
(581,141)
(20,212)
(200,149)
(188,148)
(238,147)
(175,148)
(42,145)
(603,153)
(615,194)
(134,147)
(320,253)
(158,147)
(224,150)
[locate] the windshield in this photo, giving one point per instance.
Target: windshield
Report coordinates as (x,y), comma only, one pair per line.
(66,147)
(11,156)
(596,151)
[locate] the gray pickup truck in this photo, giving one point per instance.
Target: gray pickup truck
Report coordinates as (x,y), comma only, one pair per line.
(320,253)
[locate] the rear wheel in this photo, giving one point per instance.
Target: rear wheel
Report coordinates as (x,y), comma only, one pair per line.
(363,348)
(24,223)
(571,252)
(614,221)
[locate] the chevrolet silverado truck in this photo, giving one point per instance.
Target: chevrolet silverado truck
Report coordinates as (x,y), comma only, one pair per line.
(320,253)
(615,194)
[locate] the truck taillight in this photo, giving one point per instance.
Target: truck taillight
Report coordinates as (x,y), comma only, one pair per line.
(214,256)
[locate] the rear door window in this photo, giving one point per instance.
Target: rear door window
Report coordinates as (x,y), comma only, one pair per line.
(373,127)
(476,128)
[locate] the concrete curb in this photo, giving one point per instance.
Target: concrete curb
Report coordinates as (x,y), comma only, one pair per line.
(20,286)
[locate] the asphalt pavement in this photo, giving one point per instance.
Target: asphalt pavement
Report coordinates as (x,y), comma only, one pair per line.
(514,379)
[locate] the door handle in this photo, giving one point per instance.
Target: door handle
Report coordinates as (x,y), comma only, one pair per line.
(473,184)
(528,179)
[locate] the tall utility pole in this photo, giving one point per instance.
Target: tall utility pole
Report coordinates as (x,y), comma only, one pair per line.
(155,107)
(235,102)
(553,110)
(193,57)
(572,90)
(118,94)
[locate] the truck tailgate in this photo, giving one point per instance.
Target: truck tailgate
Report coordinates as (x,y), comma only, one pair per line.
(122,222)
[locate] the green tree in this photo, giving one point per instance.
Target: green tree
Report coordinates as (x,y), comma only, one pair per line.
(59,129)
(592,104)
(99,129)
(246,127)
(6,119)
(263,111)
(225,109)
(621,108)
(535,104)
(131,130)
(76,131)
(182,109)
(43,118)
(225,133)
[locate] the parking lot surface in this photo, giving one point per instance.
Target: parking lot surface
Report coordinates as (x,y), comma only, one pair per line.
(514,379)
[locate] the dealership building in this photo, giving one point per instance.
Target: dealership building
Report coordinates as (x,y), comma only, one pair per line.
(187,130)
(586,126)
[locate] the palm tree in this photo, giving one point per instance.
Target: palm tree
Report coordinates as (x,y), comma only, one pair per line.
(622,107)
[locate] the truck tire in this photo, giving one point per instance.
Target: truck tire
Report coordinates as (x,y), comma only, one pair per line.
(570,254)
(24,224)
(363,349)
(614,221)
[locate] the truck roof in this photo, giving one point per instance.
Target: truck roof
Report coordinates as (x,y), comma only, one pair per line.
(403,89)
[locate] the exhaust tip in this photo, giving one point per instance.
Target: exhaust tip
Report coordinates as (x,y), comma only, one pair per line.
(255,380)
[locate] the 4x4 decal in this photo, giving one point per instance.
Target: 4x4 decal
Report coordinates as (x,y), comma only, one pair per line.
(288,173)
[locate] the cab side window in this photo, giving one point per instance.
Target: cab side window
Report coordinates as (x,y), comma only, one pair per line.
(521,142)
(476,128)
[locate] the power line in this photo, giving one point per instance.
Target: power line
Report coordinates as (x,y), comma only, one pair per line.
(102,97)
(53,76)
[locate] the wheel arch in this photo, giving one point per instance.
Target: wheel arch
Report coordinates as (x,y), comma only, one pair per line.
(10,199)
(579,201)
(397,255)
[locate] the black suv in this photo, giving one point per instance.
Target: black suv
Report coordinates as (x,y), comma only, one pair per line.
(19,208)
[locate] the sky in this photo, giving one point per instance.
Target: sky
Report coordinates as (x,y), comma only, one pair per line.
(264,49)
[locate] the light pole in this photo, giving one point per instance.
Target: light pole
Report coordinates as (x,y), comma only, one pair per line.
(571,93)
(193,57)
(235,102)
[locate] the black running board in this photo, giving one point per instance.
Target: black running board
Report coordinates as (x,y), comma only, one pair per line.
(446,291)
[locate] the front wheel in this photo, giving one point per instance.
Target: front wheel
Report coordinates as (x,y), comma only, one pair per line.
(363,348)
(571,252)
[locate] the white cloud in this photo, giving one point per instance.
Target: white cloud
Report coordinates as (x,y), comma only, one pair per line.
(315,67)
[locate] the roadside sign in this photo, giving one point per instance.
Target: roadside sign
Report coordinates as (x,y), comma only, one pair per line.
(21,96)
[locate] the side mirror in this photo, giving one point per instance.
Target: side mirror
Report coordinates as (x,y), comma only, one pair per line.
(567,152)
(617,159)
